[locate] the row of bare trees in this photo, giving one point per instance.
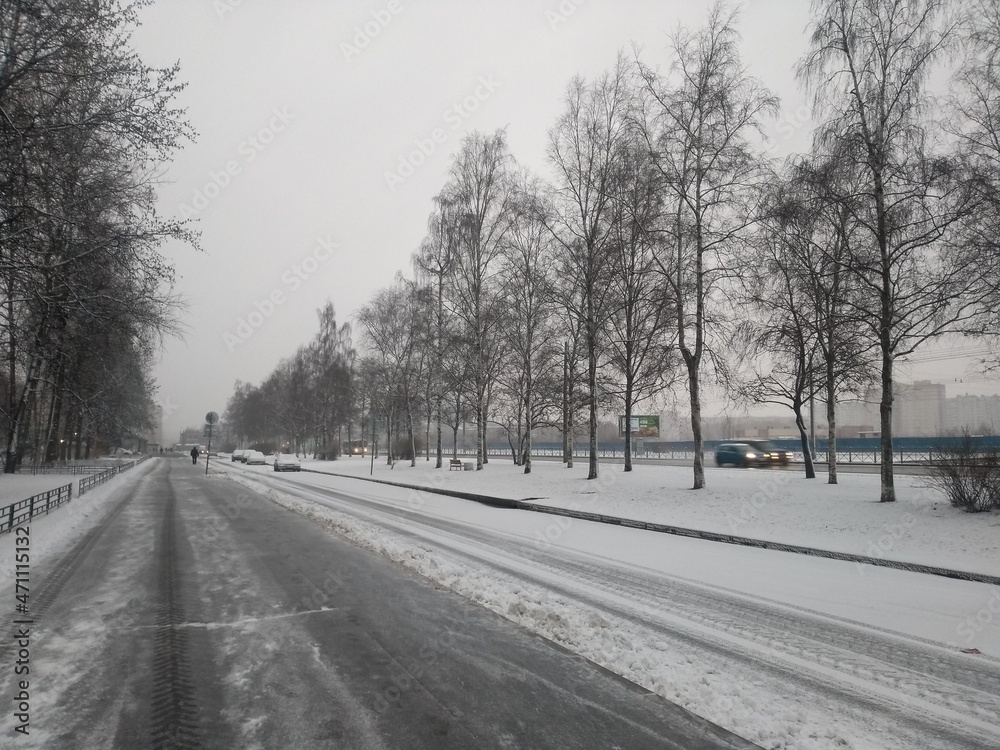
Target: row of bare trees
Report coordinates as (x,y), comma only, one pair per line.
(668,250)
(85,128)
(883,237)
(307,400)
(668,247)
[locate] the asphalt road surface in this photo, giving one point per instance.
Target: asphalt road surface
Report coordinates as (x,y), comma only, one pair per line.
(198,614)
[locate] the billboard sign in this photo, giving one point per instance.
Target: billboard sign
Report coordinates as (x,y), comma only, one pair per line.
(647,426)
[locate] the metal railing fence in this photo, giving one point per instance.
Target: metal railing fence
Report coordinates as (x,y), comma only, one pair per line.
(24,510)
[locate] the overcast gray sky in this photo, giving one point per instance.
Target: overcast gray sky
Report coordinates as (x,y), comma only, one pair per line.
(326,128)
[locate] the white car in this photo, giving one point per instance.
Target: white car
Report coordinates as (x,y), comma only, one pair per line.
(286,462)
(254,457)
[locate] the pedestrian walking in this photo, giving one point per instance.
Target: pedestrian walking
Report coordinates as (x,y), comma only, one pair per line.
(194,455)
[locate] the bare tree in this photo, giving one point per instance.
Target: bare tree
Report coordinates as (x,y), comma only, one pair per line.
(395,323)
(582,148)
(819,233)
(641,331)
(976,95)
(528,290)
(779,335)
(436,259)
(481,190)
(329,358)
(698,125)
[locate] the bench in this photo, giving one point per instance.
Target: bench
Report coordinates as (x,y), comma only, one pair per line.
(455,464)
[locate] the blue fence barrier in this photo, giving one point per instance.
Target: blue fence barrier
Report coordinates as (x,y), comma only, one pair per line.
(849,450)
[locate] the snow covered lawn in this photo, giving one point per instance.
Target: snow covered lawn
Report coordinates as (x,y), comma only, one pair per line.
(16,487)
(771,504)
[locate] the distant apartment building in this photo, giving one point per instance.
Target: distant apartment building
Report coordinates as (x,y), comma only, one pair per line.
(918,409)
(856,417)
(977,415)
(921,409)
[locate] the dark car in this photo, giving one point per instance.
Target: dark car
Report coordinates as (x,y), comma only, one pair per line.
(774,454)
(739,454)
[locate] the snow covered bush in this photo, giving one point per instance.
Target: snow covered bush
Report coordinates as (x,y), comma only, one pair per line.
(969,474)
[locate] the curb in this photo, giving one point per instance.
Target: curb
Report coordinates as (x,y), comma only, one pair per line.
(711,536)
(494,502)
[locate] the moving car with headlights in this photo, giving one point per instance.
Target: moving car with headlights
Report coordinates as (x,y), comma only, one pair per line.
(739,454)
(254,457)
(286,462)
(774,454)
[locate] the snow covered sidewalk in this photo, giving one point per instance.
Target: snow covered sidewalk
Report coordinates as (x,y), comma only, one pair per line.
(768,504)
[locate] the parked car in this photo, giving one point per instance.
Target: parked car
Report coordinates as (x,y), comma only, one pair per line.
(254,457)
(237,455)
(774,454)
(739,454)
(286,462)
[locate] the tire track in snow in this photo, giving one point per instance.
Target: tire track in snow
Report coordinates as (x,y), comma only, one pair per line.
(174,714)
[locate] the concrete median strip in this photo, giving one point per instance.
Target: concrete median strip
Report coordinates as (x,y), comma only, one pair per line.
(712,536)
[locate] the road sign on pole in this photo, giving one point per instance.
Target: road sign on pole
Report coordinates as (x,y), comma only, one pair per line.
(210,419)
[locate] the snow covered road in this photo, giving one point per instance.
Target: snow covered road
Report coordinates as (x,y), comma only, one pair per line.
(786,651)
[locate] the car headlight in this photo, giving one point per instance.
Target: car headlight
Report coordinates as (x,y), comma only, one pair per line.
(751,455)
